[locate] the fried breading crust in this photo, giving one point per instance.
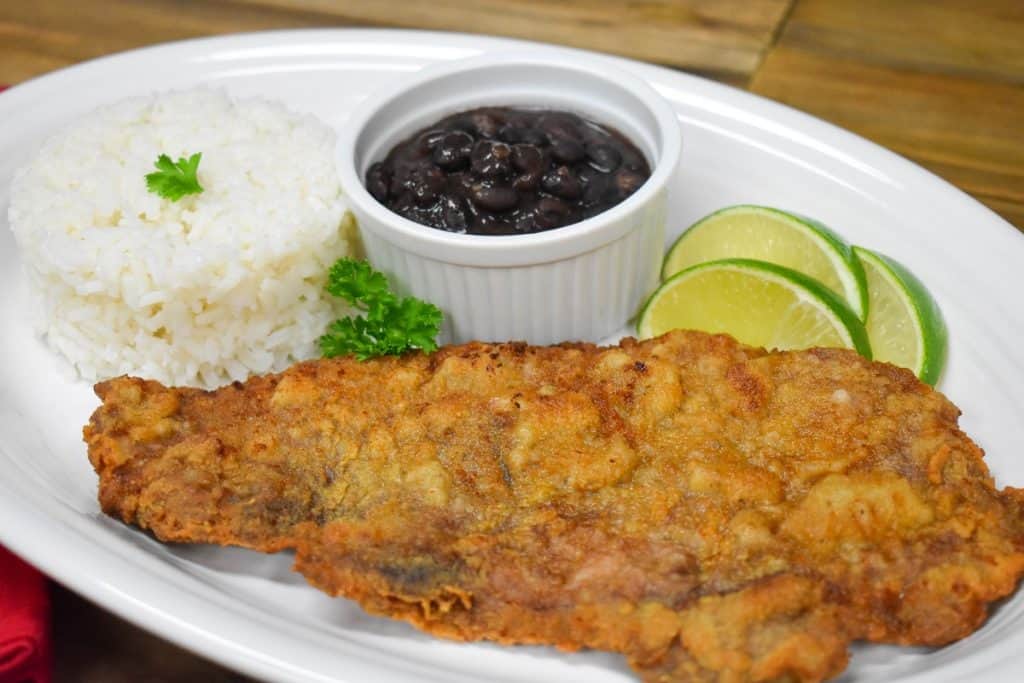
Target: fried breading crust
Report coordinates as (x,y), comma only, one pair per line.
(711,511)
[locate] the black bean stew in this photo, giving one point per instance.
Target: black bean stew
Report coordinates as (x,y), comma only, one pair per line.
(505,171)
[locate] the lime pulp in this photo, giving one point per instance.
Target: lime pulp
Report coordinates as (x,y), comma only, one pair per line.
(776,236)
(758,303)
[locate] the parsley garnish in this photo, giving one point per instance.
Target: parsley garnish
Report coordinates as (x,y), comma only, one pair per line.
(390,326)
(175,180)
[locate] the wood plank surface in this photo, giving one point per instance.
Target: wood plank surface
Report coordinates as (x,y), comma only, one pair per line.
(719,37)
(965,130)
(36,37)
(723,38)
(940,81)
(955,37)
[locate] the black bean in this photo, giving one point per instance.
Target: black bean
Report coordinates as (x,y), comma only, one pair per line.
(634,162)
(537,137)
(526,223)
(562,183)
(551,213)
(398,181)
(453,214)
(427,141)
(464,125)
(491,159)
(561,125)
(495,197)
(592,134)
(525,182)
(407,209)
(587,174)
(485,125)
(527,158)
(460,184)
(453,150)
(511,134)
(426,183)
(489,224)
(566,150)
(377,181)
(627,182)
(604,158)
(596,190)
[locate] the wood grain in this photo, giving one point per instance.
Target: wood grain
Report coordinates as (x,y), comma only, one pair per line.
(1008,209)
(955,113)
(36,37)
(954,37)
(723,38)
(713,36)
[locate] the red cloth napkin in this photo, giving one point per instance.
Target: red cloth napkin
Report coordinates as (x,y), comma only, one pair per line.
(24,619)
(24,623)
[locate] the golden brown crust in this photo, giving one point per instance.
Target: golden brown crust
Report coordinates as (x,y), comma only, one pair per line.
(712,511)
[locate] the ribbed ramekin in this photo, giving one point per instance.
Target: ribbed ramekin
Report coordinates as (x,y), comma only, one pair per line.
(582,281)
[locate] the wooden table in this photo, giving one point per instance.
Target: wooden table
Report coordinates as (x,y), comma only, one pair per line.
(939,81)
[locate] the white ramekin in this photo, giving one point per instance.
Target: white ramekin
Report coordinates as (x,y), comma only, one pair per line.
(582,281)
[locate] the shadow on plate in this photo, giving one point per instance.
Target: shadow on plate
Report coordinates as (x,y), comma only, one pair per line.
(236,562)
(240,562)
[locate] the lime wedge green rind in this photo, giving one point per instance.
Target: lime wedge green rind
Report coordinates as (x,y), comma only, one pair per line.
(844,320)
(922,309)
(861,303)
(826,256)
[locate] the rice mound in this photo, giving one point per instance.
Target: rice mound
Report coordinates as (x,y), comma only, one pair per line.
(202,291)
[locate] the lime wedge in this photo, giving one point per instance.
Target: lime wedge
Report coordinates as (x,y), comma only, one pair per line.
(758,303)
(766,234)
(905,325)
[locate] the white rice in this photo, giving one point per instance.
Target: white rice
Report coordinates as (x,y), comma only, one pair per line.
(202,291)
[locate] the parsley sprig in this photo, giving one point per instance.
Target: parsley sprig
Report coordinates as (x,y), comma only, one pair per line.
(389,326)
(175,180)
